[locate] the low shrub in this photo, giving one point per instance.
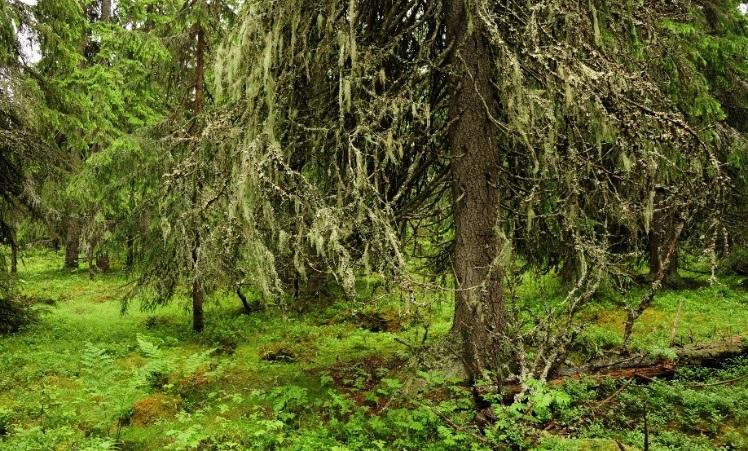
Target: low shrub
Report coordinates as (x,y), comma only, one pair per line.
(16,313)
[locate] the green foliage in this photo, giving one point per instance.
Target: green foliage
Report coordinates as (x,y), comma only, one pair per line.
(6,421)
(96,359)
(736,262)
(301,143)
(147,348)
(699,410)
(88,377)
(16,313)
(596,341)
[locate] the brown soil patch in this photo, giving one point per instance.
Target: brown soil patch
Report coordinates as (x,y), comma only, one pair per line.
(102,298)
(150,409)
(194,382)
(358,377)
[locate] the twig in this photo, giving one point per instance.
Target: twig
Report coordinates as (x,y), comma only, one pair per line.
(615,393)
(676,321)
(456,427)
(714,384)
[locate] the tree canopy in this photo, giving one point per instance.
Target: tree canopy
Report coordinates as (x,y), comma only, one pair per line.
(266,145)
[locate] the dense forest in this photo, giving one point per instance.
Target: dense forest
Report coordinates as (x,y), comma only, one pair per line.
(373,224)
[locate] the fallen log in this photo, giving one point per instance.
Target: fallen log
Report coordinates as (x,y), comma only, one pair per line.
(704,354)
(644,368)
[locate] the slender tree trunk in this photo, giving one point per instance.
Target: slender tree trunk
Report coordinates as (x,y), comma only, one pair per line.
(480,316)
(72,243)
(130,240)
(102,262)
(662,228)
(90,260)
(198,294)
(198,298)
(130,258)
(635,313)
(13,250)
(245,302)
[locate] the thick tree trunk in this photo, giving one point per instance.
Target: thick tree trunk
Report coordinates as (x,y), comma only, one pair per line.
(480,316)
(72,244)
(656,255)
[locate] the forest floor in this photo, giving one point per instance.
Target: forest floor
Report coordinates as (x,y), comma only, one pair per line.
(87,377)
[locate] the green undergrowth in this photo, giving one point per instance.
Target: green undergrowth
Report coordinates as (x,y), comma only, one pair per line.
(333,377)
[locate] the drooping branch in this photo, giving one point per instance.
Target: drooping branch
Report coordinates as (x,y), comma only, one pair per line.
(636,312)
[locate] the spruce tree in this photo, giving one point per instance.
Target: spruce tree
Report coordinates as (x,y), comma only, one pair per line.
(177,167)
(543,130)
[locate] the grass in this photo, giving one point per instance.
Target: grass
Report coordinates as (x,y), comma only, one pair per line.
(88,377)
(44,382)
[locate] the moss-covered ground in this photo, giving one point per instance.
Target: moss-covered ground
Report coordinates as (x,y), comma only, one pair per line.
(87,376)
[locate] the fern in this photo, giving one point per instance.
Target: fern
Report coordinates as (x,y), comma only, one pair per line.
(197,360)
(155,373)
(148,348)
(95,357)
(97,361)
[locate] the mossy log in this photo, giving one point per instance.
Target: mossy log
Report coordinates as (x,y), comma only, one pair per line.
(644,368)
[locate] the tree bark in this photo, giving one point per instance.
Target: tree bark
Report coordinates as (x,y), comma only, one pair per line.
(635,313)
(106,10)
(102,262)
(90,260)
(130,258)
(72,244)
(662,228)
(198,298)
(13,250)
(656,257)
(245,303)
(480,316)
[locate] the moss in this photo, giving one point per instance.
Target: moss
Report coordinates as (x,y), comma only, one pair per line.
(153,408)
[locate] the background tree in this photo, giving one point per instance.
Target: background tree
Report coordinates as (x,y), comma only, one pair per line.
(115,182)
(706,60)
(181,148)
(24,156)
(97,80)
